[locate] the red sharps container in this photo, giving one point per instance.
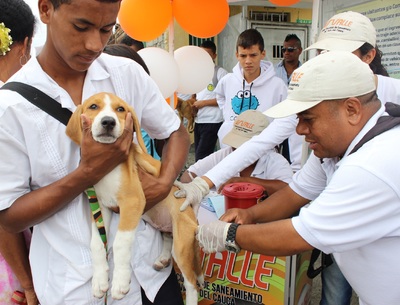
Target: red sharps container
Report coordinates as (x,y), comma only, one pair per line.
(241,195)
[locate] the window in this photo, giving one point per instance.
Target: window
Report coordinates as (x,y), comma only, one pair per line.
(195,41)
(268,16)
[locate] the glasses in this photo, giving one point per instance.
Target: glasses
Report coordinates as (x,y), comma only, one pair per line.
(289,49)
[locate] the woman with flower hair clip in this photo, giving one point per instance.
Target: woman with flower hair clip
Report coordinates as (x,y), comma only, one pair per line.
(17,24)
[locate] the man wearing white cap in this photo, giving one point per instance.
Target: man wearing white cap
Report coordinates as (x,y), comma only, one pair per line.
(352,32)
(355,206)
(272,170)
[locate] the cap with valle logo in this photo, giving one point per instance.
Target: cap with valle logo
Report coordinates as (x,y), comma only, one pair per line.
(346,31)
(329,76)
(247,125)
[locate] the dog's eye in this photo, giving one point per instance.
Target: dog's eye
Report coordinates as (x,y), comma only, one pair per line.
(120,109)
(93,106)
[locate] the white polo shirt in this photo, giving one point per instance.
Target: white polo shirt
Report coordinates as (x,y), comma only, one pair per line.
(35,151)
(388,89)
(210,114)
(355,213)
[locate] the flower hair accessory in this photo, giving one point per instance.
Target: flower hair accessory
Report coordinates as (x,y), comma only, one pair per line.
(5,39)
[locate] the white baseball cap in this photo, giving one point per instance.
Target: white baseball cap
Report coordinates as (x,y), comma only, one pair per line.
(247,125)
(346,31)
(328,76)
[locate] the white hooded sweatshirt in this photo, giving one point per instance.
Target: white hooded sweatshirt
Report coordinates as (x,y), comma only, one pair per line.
(235,95)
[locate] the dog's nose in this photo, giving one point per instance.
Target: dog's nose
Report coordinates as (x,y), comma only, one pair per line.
(108,122)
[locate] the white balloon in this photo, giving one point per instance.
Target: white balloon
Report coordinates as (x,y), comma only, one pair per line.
(196,69)
(163,69)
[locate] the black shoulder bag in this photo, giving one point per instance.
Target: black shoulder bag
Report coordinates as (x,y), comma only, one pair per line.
(40,100)
(383,124)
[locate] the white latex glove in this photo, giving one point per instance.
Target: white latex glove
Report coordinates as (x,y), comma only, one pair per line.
(212,236)
(193,191)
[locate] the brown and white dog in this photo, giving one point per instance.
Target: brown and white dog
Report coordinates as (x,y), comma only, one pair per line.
(185,110)
(122,189)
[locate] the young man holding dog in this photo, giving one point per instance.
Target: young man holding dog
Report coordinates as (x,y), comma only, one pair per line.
(44,175)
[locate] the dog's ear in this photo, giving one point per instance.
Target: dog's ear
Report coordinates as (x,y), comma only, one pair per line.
(74,126)
(136,126)
(179,103)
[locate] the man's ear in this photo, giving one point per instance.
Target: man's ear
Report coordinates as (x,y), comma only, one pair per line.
(263,53)
(300,50)
(353,110)
(45,9)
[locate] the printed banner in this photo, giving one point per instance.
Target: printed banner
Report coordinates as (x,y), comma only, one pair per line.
(385,16)
(249,278)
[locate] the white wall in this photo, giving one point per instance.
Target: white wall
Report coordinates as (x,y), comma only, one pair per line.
(40,31)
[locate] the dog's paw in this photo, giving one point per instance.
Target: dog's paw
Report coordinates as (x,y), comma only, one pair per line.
(200,281)
(191,295)
(163,261)
(161,264)
(120,285)
(100,284)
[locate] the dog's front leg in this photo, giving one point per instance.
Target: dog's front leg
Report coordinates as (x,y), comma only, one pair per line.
(130,214)
(99,258)
(164,260)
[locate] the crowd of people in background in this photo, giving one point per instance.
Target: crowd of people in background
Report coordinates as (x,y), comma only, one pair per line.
(251,125)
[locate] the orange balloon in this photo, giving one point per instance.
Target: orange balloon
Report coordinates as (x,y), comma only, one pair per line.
(201,18)
(168,100)
(145,20)
(284,2)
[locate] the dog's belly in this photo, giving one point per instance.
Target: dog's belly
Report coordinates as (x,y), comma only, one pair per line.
(159,217)
(108,187)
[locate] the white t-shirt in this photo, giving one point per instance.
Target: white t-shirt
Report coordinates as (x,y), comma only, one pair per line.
(36,152)
(355,213)
(271,165)
(210,114)
(388,89)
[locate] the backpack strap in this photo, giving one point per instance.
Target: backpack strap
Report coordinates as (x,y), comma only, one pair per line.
(383,124)
(40,100)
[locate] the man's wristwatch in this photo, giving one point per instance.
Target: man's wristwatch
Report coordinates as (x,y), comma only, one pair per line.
(230,242)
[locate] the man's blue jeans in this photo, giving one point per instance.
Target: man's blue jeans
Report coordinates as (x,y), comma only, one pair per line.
(335,288)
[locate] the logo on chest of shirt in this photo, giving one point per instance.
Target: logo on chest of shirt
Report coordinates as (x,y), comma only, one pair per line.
(210,87)
(244,100)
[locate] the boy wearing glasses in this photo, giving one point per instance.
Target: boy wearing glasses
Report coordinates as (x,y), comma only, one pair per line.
(291,51)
